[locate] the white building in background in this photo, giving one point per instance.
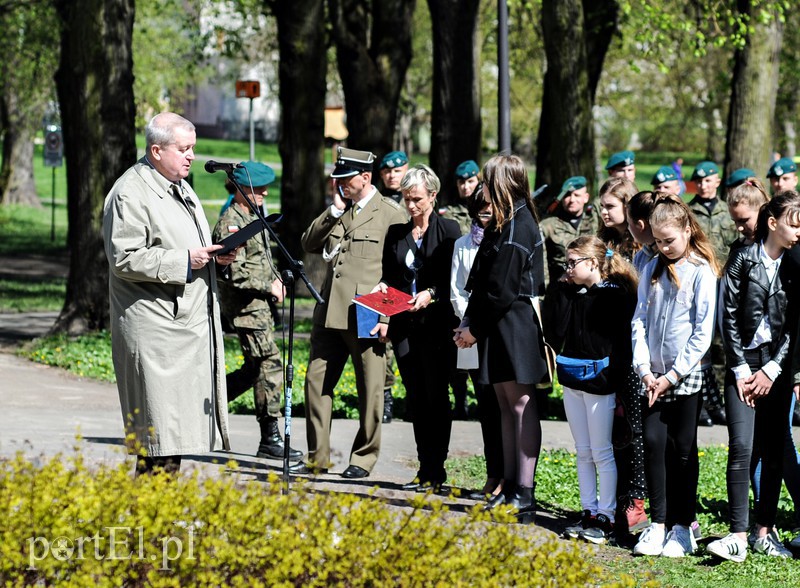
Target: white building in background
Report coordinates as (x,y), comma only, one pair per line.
(214,109)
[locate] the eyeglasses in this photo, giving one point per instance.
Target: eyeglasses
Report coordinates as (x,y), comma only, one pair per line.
(570,265)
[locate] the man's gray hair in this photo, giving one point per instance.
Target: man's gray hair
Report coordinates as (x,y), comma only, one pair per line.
(161,129)
(420,174)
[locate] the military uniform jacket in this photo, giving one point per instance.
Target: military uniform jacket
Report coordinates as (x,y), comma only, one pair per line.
(717,225)
(245,288)
(459,213)
(557,233)
(353,247)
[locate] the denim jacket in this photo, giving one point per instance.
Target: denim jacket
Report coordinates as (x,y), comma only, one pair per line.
(672,327)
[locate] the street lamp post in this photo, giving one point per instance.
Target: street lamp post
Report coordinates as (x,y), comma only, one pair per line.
(504,97)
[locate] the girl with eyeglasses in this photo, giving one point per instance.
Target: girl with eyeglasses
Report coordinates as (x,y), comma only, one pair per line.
(671,332)
(595,303)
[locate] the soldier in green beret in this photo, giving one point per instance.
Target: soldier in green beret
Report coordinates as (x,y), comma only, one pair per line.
(622,164)
(782,175)
(394,166)
(712,216)
(244,299)
(666,180)
(737,177)
(468,176)
(572,218)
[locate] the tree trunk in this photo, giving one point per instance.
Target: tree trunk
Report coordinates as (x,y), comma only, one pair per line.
(302,70)
(372,65)
(456,117)
(753,91)
(95,91)
(576,37)
(16,175)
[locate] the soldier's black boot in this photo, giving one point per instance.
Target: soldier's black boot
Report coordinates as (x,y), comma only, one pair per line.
(271,446)
(388,403)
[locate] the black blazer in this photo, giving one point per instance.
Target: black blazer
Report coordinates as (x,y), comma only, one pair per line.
(747,297)
(435,258)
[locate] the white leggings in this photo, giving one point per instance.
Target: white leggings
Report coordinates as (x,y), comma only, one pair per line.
(591,419)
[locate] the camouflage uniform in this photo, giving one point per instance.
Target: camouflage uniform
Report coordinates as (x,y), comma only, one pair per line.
(244,298)
(459,213)
(717,225)
(721,232)
(557,233)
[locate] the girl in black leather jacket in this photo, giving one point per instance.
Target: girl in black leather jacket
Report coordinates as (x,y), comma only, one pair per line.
(757,387)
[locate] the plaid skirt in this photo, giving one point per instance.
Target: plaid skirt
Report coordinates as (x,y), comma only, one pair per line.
(691,384)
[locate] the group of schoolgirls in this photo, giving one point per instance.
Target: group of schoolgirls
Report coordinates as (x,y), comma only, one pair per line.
(638,306)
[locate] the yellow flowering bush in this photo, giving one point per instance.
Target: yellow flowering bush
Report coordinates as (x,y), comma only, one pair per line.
(64,523)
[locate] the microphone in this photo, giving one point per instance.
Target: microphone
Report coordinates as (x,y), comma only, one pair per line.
(215,166)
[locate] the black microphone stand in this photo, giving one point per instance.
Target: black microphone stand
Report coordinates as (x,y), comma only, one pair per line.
(289,277)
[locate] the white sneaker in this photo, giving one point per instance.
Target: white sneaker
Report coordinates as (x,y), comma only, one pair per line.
(680,542)
(771,545)
(729,547)
(651,541)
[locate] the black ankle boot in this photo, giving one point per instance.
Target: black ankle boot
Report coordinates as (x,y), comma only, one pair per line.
(525,504)
(501,497)
(388,403)
(271,446)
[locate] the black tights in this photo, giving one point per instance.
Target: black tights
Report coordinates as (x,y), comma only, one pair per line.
(670,441)
(765,427)
(521,430)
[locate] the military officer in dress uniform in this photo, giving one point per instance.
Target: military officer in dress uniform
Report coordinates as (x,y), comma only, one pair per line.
(245,290)
(351,241)
(394,166)
(782,175)
(622,165)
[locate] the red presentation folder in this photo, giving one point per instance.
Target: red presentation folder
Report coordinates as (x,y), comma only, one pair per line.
(389,304)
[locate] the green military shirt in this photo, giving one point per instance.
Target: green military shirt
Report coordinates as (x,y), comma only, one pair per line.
(244,294)
(459,213)
(717,225)
(557,233)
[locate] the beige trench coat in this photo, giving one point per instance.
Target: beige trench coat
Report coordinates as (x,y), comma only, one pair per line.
(165,331)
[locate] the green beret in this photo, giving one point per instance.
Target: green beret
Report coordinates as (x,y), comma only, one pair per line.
(467,169)
(783,166)
(664,174)
(704,169)
(254,173)
(394,159)
(738,176)
(621,158)
(572,184)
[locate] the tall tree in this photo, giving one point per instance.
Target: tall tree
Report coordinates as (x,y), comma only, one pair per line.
(30,55)
(577,34)
(754,88)
(302,69)
(373,50)
(95,90)
(456,118)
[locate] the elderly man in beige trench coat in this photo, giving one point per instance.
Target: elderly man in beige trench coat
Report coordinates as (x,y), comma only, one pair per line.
(165,323)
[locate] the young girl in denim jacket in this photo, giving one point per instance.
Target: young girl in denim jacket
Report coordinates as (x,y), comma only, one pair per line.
(595,302)
(671,332)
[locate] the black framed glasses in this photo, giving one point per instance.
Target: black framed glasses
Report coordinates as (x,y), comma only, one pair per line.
(570,265)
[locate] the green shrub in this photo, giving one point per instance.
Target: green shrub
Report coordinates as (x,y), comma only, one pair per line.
(65,524)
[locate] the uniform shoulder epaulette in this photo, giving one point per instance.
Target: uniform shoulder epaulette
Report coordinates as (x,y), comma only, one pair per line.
(390,202)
